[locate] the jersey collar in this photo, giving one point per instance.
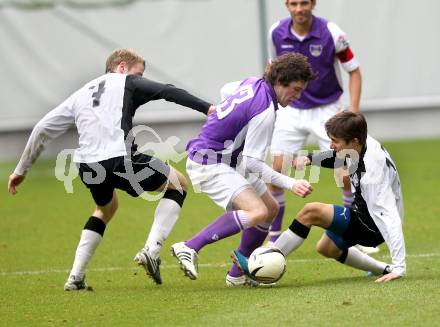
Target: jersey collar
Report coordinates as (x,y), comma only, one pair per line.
(315,30)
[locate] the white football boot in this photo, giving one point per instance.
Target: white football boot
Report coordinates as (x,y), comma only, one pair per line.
(188,259)
(244,280)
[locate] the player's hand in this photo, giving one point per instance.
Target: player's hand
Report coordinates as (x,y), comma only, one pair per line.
(302,188)
(301,162)
(14,181)
(211,110)
(388,277)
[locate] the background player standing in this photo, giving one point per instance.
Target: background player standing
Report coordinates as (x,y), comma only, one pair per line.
(324,44)
(103,111)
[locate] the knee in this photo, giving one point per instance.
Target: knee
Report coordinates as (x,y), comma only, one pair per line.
(179,182)
(310,214)
(183,182)
(273,208)
(259,215)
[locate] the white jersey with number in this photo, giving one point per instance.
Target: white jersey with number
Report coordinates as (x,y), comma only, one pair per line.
(102,111)
(96,109)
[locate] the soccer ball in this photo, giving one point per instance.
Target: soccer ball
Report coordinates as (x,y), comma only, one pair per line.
(267,265)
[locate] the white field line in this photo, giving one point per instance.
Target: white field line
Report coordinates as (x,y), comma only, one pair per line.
(173,266)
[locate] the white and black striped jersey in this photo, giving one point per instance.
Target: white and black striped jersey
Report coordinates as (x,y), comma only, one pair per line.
(377,193)
(102,111)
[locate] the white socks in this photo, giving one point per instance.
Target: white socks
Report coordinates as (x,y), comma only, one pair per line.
(86,248)
(288,242)
(165,217)
(359,260)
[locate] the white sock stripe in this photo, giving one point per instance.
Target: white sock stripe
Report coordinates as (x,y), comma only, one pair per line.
(275,233)
(262,229)
(237,220)
(242,218)
(265,225)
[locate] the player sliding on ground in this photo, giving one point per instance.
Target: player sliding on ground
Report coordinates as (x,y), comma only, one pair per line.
(103,111)
(376,213)
(234,140)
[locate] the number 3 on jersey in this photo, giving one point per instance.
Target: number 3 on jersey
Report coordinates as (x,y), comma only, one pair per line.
(241,95)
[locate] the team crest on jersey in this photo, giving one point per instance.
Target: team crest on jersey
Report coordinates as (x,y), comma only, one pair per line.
(315,50)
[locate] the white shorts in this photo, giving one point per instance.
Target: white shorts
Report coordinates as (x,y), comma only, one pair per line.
(221,182)
(293,126)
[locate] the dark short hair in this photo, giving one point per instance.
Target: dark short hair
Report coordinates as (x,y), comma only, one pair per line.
(348,125)
(287,68)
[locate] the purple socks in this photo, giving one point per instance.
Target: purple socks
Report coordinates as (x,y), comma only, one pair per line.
(228,224)
(251,238)
(275,228)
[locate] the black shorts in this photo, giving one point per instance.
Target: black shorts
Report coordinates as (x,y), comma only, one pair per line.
(362,230)
(136,175)
(351,227)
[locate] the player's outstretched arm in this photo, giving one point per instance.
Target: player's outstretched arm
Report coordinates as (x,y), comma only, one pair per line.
(14,181)
(326,159)
(53,124)
(148,90)
(299,187)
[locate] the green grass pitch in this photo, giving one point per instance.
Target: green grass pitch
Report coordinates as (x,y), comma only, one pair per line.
(40,228)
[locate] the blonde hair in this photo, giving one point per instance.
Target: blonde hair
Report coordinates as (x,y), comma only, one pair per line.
(120,55)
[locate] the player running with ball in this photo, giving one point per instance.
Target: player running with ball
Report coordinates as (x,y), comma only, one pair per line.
(226,161)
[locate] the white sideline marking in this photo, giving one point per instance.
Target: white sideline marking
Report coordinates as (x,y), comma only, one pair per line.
(173,266)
